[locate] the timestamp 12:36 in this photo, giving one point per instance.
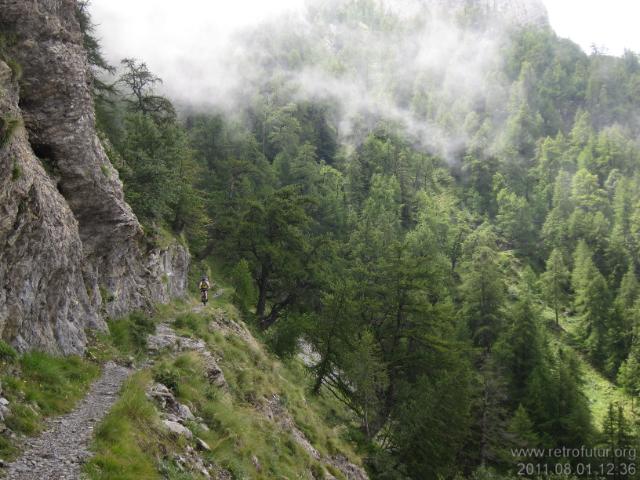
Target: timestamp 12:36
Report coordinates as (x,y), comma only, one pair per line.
(599,470)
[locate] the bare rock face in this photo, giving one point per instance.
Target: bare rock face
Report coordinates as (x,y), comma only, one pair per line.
(71,249)
(43,299)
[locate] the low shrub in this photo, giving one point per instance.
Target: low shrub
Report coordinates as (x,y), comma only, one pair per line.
(129,334)
(7,353)
(8,127)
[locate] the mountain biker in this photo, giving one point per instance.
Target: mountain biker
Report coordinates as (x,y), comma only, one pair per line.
(204,287)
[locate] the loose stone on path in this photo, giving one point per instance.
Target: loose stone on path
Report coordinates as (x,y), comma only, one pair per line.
(60,451)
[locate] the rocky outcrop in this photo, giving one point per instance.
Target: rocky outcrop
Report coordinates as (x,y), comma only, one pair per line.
(71,249)
(276,412)
(43,299)
(165,339)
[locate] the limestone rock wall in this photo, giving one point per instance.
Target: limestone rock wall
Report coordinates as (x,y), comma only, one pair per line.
(43,299)
(71,249)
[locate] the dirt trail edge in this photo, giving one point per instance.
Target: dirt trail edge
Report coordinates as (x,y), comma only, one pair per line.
(60,451)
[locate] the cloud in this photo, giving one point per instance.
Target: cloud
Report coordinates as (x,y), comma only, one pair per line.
(611,26)
(189,45)
(415,66)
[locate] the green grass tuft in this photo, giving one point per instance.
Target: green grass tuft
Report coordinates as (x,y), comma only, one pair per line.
(191,324)
(16,172)
(38,385)
(8,127)
(55,383)
(106,295)
(7,353)
(7,40)
(128,439)
(237,430)
(106,171)
(16,69)
(129,334)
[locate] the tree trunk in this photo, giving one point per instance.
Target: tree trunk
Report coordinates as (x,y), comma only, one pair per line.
(262,293)
(322,371)
(267,321)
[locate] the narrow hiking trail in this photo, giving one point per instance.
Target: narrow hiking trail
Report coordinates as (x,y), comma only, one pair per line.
(61,450)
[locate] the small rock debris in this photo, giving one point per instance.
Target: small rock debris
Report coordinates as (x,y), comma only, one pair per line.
(60,451)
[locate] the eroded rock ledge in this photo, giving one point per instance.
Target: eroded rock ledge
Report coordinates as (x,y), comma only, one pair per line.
(71,249)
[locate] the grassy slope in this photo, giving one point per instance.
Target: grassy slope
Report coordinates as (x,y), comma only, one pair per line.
(130,445)
(599,390)
(37,386)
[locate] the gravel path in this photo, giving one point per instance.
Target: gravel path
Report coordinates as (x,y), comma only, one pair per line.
(59,452)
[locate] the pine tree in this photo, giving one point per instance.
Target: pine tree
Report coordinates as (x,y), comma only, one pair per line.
(244,289)
(273,235)
(555,282)
(520,349)
(556,402)
(492,416)
(555,231)
(522,429)
(622,321)
(482,292)
(629,372)
(617,436)
(588,220)
(514,220)
(591,303)
(550,164)
(367,376)
(620,244)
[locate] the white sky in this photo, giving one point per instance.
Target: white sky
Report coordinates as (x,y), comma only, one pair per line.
(136,28)
(184,42)
(166,27)
(612,24)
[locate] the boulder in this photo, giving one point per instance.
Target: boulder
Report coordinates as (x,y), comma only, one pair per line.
(202,445)
(177,429)
(184,412)
(162,395)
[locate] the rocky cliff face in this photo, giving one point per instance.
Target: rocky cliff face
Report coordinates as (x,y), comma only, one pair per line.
(71,249)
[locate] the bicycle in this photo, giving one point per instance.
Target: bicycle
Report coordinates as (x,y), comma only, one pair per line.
(204,298)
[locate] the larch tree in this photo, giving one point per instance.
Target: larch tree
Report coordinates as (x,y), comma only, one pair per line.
(555,282)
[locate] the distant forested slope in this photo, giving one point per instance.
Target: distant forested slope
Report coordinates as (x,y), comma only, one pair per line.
(422,197)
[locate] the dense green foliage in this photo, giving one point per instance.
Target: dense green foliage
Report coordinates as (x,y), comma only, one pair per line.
(422,281)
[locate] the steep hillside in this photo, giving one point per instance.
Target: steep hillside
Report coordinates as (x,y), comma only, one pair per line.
(215,403)
(202,398)
(72,251)
(441,206)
